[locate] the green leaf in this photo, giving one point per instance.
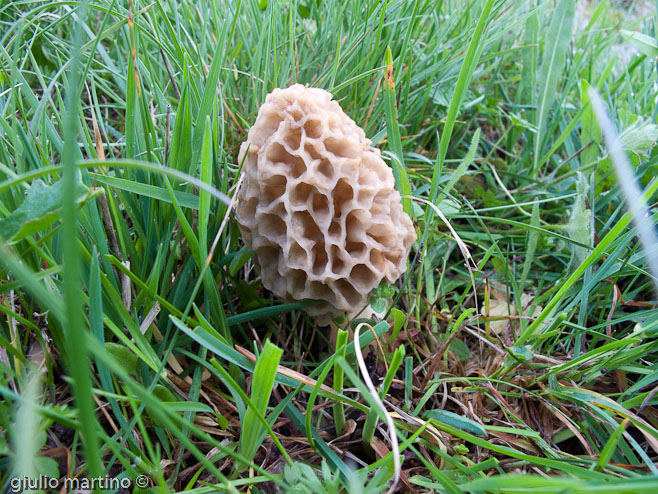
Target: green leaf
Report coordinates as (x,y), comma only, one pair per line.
(393,130)
(440,98)
(611,445)
(185,199)
(513,430)
(521,352)
(123,356)
(47,466)
(253,431)
(555,51)
(38,211)
(461,169)
(529,58)
(459,421)
(378,305)
(304,11)
(163,393)
(448,207)
(459,348)
(643,43)
(180,154)
(208,102)
(4,447)
(463,81)
(266,312)
(641,135)
(532,240)
(204,197)
(187,406)
(590,130)
(521,483)
(338,408)
(399,319)
(40,439)
(579,227)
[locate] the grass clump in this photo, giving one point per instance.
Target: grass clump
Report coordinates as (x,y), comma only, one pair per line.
(138,343)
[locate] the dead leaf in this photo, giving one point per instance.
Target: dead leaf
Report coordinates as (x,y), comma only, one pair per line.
(503,309)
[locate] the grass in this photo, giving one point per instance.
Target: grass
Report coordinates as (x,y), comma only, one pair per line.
(138,343)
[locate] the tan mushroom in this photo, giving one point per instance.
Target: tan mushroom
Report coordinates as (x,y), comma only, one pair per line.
(318,205)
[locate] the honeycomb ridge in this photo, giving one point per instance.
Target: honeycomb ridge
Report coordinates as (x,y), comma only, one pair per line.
(318,204)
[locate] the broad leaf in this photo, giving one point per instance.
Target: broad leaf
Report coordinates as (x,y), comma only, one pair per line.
(641,135)
(579,225)
(38,211)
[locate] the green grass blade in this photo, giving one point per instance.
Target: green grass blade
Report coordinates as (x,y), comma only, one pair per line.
(184,199)
(371,420)
(261,388)
(461,169)
(533,238)
(77,358)
(611,446)
(393,130)
(553,58)
(636,202)
(463,81)
(594,256)
(338,408)
(204,197)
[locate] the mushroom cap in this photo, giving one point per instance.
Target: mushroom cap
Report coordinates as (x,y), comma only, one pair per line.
(318,205)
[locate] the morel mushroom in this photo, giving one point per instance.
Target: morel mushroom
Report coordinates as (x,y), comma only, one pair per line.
(318,205)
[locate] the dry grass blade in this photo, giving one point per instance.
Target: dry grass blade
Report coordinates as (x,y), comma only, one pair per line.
(463,248)
(375,396)
(230,207)
(284,371)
